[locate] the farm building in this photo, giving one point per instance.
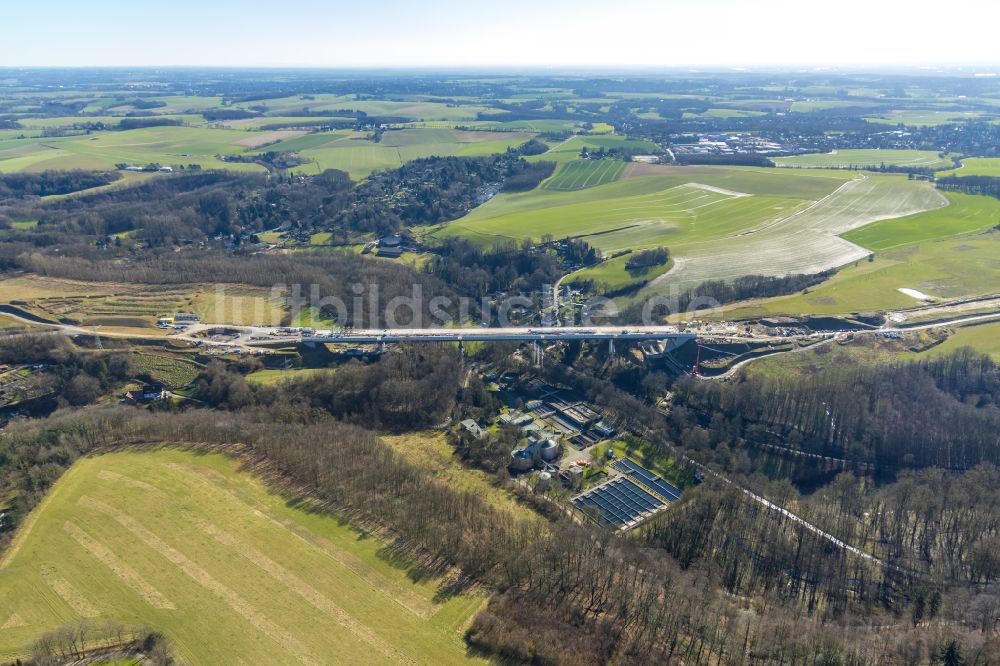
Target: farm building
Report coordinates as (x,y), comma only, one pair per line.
(145,394)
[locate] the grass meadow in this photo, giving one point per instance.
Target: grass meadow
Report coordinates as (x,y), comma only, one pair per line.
(976,166)
(719,223)
(984,338)
(866,158)
(579,174)
(947,253)
(231,573)
(949,268)
(354,153)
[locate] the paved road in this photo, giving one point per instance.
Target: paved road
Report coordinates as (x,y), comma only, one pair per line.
(255,338)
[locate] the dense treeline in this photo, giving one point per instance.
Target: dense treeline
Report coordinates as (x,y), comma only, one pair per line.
(413,388)
(85,641)
(714,293)
(213,115)
(931,520)
(68,376)
(760,555)
(148,121)
(943,412)
(18,185)
(987,185)
(504,267)
(168,211)
(943,524)
(328,281)
(564,593)
(188,207)
(528,176)
(738,159)
(592,596)
(433,190)
(645,259)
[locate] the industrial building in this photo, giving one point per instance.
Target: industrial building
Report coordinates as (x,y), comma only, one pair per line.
(543,451)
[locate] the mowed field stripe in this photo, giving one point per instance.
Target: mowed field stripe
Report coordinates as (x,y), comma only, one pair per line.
(287,642)
(72,596)
(412,602)
(106,475)
(315,598)
(127,574)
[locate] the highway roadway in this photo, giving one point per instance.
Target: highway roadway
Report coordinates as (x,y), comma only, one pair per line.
(257,339)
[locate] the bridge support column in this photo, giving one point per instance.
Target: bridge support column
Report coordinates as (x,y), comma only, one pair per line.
(611,346)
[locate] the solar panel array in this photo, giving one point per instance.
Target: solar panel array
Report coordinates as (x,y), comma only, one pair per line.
(627,498)
(648,479)
(619,501)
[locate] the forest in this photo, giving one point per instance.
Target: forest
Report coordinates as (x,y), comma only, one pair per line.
(566,593)
(985,185)
(187,207)
(47,183)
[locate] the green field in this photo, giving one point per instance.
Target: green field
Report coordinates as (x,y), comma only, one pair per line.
(413,110)
(103,150)
(271,376)
(808,106)
(69,121)
(965,214)
(611,274)
(983,338)
(724,113)
(579,174)
(172,371)
(925,118)
(976,166)
(311,316)
(950,268)
(569,150)
(173,146)
(719,223)
(866,158)
(193,548)
(354,153)
(947,253)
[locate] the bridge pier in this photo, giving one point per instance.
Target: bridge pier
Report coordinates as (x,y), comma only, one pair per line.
(611,346)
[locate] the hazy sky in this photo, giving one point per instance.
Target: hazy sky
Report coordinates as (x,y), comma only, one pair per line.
(538,33)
